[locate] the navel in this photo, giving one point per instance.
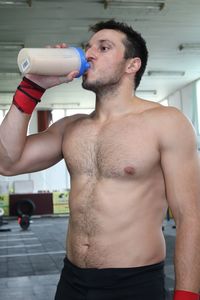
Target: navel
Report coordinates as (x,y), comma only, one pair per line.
(129,170)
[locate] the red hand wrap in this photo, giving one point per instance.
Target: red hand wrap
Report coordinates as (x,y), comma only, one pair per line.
(27,95)
(185,295)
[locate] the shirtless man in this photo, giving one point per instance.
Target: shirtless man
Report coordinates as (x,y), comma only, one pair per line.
(128,161)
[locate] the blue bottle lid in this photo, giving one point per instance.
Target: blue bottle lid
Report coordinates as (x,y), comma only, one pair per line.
(84,63)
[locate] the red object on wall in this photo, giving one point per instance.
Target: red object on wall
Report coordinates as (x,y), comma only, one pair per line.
(43,203)
(44,119)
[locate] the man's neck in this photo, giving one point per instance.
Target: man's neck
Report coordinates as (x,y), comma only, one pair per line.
(113,103)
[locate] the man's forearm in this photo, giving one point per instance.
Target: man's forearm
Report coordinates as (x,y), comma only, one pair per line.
(187,256)
(13,130)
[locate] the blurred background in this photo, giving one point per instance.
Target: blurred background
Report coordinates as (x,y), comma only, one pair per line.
(171,29)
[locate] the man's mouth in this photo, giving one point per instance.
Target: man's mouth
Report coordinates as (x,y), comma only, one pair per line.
(91,65)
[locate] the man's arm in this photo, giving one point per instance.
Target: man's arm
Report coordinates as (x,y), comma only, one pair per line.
(181,168)
(20,153)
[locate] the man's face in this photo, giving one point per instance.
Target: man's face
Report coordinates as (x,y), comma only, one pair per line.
(105,52)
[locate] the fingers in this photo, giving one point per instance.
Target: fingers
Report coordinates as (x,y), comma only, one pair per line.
(72,75)
(68,78)
(61,45)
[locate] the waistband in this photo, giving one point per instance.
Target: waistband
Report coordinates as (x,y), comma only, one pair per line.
(110,277)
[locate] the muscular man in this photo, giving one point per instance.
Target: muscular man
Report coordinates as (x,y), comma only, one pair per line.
(129,160)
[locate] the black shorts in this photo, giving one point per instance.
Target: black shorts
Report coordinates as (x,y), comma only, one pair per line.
(140,283)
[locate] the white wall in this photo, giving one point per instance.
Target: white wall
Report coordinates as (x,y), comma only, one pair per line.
(33,127)
(52,179)
(185,99)
(175,100)
(55,178)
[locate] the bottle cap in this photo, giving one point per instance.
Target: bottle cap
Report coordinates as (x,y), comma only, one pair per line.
(84,63)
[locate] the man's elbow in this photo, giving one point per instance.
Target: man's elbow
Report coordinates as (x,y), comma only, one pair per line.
(6,173)
(7,170)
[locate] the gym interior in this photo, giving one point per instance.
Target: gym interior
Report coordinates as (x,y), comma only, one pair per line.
(34,208)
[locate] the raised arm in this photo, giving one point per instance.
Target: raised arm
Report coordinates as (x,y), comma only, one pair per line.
(181,168)
(20,153)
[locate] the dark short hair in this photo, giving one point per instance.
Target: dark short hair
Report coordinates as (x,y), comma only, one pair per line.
(135,45)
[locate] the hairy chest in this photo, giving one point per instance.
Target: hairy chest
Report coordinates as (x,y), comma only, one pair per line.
(117,150)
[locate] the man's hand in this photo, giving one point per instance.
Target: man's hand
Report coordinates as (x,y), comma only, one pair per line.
(51,81)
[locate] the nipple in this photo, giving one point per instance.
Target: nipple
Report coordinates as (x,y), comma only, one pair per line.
(129,170)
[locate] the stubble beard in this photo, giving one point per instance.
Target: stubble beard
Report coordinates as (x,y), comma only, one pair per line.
(104,84)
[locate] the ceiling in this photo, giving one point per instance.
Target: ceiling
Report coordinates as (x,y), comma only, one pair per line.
(46,22)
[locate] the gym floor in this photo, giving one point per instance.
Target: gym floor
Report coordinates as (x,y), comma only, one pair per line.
(31,261)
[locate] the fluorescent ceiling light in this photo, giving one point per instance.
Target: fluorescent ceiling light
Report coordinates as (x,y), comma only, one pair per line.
(16,2)
(190,46)
(78,27)
(11,46)
(10,75)
(66,105)
(165,73)
(157,5)
(6,92)
(153,92)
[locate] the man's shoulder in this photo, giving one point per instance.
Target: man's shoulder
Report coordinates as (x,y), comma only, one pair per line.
(164,113)
(173,127)
(67,123)
(167,121)
(170,116)
(72,119)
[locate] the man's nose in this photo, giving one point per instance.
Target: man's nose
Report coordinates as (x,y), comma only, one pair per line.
(91,53)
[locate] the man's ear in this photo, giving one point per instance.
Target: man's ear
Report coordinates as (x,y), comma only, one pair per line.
(133,65)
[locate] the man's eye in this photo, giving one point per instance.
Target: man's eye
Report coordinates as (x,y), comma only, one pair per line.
(104,48)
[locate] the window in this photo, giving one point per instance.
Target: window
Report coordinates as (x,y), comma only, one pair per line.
(164,102)
(61,113)
(3,112)
(1,115)
(57,114)
(198,105)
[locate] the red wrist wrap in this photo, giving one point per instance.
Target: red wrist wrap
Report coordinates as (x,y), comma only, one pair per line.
(185,295)
(27,95)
